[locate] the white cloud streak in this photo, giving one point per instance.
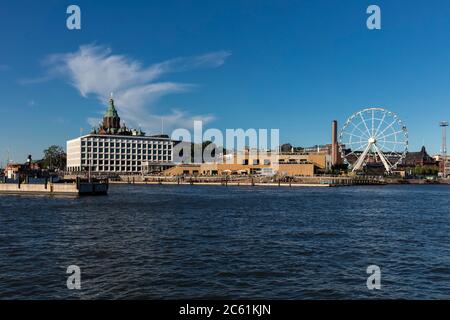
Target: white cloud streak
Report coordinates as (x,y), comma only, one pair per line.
(96,72)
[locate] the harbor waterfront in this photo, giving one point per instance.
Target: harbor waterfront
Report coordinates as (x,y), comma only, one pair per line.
(231,158)
(163,241)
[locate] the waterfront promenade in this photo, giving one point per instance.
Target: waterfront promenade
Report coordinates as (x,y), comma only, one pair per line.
(296,181)
(318,181)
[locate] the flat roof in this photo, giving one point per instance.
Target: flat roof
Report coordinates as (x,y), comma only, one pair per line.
(94,135)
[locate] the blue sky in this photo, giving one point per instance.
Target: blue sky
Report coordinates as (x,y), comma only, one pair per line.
(292,65)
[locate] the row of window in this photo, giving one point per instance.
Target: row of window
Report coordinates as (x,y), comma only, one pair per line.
(107,150)
(122,162)
(256,162)
(114,169)
(267,161)
(157,156)
(133,144)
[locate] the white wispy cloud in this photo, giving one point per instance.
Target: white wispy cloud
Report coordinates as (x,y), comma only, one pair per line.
(4,67)
(96,72)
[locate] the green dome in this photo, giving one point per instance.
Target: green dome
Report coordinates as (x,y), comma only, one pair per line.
(111,112)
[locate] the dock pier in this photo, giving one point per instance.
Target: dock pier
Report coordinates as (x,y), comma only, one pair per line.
(48,187)
(318,181)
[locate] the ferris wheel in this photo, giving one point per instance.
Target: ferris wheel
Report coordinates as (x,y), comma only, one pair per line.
(373,135)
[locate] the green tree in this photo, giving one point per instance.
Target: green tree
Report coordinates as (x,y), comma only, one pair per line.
(54,158)
(425,171)
(203,147)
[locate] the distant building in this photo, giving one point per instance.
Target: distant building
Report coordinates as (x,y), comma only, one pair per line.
(14,170)
(252,162)
(329,154)
(421,158)
(418,163)
(113,148)
(440,159)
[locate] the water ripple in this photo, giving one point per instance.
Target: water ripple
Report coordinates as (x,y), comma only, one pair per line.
(169,242)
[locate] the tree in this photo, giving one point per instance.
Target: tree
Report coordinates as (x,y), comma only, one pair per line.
(213,148)
(287,147)
(425,171)
(339,168)
(54,158)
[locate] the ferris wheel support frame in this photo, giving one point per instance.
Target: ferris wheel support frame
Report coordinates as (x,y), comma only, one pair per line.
(368,131)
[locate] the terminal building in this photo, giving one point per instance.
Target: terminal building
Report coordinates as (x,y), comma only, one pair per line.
(113,148)
(254,162)
(288,161)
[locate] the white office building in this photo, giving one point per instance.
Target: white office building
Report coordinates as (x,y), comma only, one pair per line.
(113,148)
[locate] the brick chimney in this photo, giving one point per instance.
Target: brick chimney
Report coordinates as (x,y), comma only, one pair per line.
(334,144)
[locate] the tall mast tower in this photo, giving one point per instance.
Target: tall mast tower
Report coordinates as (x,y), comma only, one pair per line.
(444,125)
